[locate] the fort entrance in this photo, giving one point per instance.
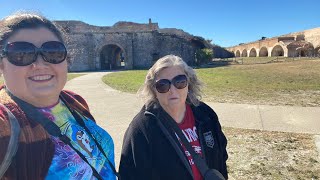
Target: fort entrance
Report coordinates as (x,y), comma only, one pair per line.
(112,57)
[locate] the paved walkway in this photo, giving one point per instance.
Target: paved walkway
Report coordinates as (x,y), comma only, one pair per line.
(114,110)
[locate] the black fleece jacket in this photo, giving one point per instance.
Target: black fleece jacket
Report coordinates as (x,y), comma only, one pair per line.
(150,153)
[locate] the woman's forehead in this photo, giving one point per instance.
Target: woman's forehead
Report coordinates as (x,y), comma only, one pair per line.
(33,35)
(170,72)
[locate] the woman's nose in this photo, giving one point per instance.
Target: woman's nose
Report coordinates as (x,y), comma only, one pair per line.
(172,89)
(39,61)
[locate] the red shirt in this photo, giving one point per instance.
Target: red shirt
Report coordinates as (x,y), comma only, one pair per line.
(190,132)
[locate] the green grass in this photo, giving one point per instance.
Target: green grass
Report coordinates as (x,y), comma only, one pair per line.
(73,75)
(127,81)
(286,83)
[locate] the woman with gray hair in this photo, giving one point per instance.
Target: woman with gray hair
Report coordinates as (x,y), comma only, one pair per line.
(175,135)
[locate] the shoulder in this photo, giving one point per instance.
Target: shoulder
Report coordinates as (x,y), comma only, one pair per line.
(143,120)
(75,96)
(205,108)
(142,125)
(4,122)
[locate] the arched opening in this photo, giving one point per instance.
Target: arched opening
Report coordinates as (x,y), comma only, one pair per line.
(244,53)
(263,52)
(300,49)
(238,53)
(112,57)
(304,52)
(253,53)
(277,51)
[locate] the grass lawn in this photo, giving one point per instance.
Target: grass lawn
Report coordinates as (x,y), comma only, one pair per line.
(126,81)
(73,75)
(294,83)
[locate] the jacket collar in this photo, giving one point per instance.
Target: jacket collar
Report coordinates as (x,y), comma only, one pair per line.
(156,109)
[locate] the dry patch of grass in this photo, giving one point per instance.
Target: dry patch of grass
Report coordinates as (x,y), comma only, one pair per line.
(255,154)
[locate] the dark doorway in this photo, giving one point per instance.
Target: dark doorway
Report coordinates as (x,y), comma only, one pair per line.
(112,58)
(277,51)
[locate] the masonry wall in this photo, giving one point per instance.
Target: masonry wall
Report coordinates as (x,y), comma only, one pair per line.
(80,52)
(141,44)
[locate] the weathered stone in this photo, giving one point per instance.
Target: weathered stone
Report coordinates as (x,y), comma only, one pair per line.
(125,45)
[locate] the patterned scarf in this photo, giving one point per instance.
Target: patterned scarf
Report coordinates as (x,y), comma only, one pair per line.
(36,149)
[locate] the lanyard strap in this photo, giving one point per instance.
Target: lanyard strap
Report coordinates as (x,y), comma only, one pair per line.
(82,124)
(198,160)
(13,142)
(50,127)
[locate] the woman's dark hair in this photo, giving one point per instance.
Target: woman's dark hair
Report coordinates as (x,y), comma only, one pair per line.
(10,24)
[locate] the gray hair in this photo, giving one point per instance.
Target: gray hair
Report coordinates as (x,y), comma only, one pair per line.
(147,91)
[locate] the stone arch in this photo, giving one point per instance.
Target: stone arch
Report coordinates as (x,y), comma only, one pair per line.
(300,49)
(244,53)
(112,56)
(237,53)
(304,52)
(263,52)
(277,51)
(253,53)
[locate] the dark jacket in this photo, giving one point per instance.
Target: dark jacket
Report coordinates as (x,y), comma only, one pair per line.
(150,152)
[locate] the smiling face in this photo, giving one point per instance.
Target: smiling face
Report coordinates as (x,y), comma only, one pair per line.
(175,98)
(41,82)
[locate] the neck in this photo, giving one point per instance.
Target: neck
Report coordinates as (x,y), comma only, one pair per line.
(177,113)
(42,102)
(37,102)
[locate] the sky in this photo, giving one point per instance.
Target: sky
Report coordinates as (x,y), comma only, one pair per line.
(225,22)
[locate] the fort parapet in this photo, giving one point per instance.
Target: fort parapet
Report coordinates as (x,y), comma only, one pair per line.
(298,44)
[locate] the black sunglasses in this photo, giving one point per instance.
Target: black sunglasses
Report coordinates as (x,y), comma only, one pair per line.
(25,53)
(164,85)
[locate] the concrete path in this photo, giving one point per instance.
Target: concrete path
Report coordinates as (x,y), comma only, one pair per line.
(114,110)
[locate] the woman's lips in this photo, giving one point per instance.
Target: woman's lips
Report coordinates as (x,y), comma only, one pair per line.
(41,78)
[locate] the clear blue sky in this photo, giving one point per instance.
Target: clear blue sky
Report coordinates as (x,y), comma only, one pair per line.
(225,22)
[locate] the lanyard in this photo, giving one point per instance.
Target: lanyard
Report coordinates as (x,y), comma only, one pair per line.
(55,131)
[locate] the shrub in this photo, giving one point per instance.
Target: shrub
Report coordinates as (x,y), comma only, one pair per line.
(204,56)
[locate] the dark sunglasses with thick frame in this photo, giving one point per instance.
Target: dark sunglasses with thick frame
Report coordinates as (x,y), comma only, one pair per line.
(164,85)
(22,53)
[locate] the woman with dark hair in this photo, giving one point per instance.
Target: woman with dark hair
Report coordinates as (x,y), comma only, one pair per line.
(175,136)
(58,137)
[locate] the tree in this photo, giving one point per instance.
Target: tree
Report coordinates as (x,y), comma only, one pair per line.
(203,56)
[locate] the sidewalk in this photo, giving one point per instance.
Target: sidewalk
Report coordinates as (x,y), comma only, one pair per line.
(114,110)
